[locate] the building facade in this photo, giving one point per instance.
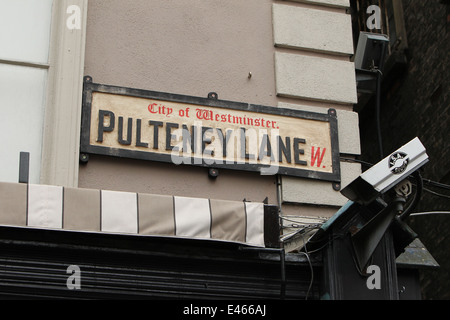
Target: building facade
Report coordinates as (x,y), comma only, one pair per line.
(179,49)
(289,61)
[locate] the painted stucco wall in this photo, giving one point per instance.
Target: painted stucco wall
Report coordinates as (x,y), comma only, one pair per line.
(188,47)
(185,47)
(194,47)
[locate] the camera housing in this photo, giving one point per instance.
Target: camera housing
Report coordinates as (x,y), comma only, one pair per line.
(371,51)
(387,173)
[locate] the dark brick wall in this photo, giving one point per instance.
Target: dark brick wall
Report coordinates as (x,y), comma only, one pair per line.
(416,104)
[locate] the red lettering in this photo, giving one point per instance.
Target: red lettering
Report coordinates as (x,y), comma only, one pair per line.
(316,156)
(151,108)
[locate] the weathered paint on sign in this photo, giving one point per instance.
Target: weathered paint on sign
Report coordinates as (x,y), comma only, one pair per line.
(208,132)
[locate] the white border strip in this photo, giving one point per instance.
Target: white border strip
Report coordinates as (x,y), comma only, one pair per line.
(192,217)
(119,212)
(255,223)
(45,206)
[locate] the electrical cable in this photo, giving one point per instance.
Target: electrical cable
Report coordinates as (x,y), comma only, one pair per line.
(310,266)
(436,184)
(295,221)
(303,230)
(323,246)
(429,213)
(312,274)
(436,194)
(283,273)
(417,197)
(367,164)
(378,114)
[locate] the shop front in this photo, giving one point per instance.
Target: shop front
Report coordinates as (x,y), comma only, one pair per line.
(188,149)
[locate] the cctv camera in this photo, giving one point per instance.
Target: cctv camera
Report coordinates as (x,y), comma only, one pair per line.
(371,51)
(387,173)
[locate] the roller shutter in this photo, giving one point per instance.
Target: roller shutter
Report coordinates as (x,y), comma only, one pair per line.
(34,262)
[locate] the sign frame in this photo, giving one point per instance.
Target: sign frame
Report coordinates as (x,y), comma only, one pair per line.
(87,148)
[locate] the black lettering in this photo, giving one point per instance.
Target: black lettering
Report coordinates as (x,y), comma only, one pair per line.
(156,125)
(189,137)
(169,135)
(298,151)
(139,143)
(284,149)
(224,139)
(206,141)
(244,153)
(126,142)
(101,123)
(266,148)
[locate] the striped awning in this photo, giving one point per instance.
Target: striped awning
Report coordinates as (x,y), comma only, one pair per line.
(87,210)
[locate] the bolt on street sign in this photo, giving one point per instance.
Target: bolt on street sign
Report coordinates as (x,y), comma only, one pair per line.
(208,132)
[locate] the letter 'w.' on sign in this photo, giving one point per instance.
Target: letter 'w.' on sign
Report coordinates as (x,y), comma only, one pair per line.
(208,132)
